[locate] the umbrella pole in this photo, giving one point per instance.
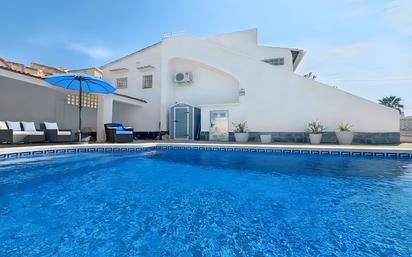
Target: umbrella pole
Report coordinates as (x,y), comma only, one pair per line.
(80,111)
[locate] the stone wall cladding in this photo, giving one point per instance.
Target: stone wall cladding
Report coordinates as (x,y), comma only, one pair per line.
(377,138)
(362,138)
(406,124)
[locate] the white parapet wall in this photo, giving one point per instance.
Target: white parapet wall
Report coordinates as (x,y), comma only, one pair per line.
(25,98)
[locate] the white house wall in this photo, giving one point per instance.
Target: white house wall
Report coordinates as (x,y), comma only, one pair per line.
(209,86)
(148,118)
(279,100)
(129,115)
(245,42)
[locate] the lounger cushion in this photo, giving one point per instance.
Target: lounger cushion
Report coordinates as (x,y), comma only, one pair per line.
(28,126)
(64,133)
(14,125)
(116,128)
(121,131)
(51,125)
(3,125)
(124,132)
(28,133)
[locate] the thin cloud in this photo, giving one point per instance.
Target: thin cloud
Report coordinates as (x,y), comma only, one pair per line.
(91,51)
(363,68)
(321,56)
(350,51)
(399,14)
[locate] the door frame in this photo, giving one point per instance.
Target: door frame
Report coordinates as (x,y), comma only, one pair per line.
(187,122)
(210,121)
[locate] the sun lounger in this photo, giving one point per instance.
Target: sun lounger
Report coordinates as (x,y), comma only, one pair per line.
(116,133)
(54,134)
(20,132)
(6,134)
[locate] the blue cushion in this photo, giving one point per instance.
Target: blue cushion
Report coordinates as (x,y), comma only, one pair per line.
(124,132)
(116,128)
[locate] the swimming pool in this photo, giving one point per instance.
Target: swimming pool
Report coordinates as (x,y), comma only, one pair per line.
(205,203)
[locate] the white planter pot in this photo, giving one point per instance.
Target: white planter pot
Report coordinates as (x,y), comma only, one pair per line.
(315,138)
(242,137)
(345,137)
(266,139)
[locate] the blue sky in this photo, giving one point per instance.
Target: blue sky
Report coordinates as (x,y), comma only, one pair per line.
(361,46)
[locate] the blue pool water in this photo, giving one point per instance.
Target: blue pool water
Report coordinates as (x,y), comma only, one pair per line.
(205,203)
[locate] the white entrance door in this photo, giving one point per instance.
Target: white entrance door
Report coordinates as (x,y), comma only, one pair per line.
(219,126)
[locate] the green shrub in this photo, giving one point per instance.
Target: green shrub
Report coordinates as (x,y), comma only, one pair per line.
(315,127)
(344,127)
(240,127)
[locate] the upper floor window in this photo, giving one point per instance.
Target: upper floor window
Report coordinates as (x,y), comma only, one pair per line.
(275,61)
(121,83)
(147,81)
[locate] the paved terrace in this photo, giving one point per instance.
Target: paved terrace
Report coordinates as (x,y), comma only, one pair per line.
(404,147)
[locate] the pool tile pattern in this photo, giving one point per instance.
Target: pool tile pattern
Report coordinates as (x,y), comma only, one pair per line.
(74,150)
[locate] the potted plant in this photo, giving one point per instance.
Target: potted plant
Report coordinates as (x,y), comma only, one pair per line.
(315,130)
(344,134)
(241,134)
(266,138)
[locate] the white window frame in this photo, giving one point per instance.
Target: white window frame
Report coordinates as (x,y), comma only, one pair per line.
(145,81)
(275,61)
(121,80)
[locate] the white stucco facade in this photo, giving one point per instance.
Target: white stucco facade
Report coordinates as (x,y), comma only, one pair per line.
(31,99)
(25,98)
(275,98)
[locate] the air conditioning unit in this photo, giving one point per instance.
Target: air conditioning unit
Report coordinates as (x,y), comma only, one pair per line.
(183,77)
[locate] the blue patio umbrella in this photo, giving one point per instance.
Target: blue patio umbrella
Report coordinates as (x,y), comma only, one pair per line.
(82,83)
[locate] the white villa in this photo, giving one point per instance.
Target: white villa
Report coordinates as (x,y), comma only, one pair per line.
(196,88)
(231,79)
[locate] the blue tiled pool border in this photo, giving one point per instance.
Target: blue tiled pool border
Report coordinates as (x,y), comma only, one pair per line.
(399,154)
(49,152)
(371,153)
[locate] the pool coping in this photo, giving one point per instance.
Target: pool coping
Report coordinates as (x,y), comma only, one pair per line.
(336,150)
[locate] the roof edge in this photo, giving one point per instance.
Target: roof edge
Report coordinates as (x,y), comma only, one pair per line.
(20,72)
(131,54)
(250,30)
